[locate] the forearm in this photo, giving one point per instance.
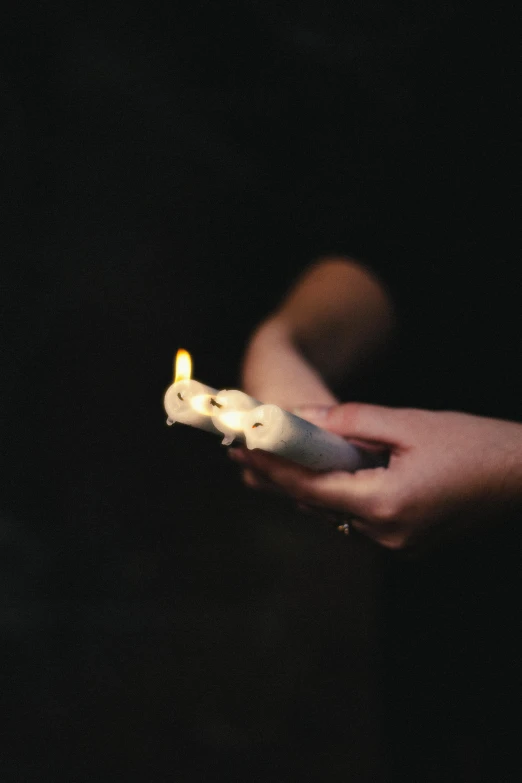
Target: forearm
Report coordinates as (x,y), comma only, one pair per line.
(275,371)
(334,318)
(339,316)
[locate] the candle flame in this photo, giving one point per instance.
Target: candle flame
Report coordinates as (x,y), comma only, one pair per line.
(182,366)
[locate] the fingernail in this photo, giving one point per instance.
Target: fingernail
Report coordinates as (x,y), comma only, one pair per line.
(313,412)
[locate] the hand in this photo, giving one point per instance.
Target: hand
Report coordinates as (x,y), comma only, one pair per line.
(443,467)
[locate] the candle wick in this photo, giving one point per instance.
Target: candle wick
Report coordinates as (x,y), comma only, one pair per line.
(216,404)
(181,398)
(257,424)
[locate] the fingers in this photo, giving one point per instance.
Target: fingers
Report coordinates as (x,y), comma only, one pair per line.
(388,535)
(257,481)
(251,477)
(337,491)
(364,498)
(357,420)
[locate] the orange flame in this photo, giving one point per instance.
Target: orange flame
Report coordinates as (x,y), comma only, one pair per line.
(182,366)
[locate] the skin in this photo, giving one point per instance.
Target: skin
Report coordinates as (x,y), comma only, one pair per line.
(334,320)
(446,469)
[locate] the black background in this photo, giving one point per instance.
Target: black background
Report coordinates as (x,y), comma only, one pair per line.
(168,171)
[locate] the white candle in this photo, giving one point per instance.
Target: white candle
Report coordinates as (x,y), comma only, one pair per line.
(187,400)
(228,409)
(272,429)
(235,414)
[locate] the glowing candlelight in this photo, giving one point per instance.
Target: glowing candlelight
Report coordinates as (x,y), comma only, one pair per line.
(182,366)
(187,400)
(228,408)
(237,415)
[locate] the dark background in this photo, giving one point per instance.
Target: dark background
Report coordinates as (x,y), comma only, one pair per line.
(168,170)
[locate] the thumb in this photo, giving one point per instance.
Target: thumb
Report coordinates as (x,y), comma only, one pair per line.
(356,420)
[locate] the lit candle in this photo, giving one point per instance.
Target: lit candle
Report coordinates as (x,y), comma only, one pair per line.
(272,429)
(228,409)
(187,400)
(237,415)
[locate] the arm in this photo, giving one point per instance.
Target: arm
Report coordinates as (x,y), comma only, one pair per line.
(335,318)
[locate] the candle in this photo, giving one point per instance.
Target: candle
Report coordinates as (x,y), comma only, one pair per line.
(237,415)
(187,400)
(272,429)
(228,409)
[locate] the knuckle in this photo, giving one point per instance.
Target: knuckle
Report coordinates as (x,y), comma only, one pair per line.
(394,543)
(250,479)
(387,508)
